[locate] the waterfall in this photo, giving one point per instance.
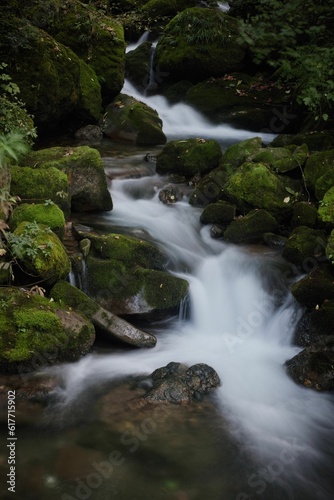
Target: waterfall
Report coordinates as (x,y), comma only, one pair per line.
(242,319)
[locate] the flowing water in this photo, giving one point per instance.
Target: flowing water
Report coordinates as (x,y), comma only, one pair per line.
(259,436)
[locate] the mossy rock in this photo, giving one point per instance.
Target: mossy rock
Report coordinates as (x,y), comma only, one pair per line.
(237,99)
(304,214)
(84,167)
(89,107)
(35,185)
(133,290)
(14,117)
(305,246)
(323,184)
(316,287)
(255,185)
(315,140)
(199,43)
(283,160)
(326,208)
(189,157)
(251,227)
(129,120)
(53,81)
(132,251)
(97,39)
(313,367)
(48,214)
(218,213)
(40,252)
(35,332)
(210,189)
(138,65)
(166,8)
(177,91)
(318,165)
(330,247)
(239,153)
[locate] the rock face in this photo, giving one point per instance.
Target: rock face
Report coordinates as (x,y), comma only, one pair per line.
(130,120)
(177,383)
(84,169)
(189,157)
(199,43)
(313,367)
(111,326)
(36,332)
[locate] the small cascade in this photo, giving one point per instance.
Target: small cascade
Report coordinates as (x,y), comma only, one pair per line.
(223,6)
(153,80)
(144,37)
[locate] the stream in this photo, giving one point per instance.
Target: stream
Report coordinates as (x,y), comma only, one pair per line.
(260,436)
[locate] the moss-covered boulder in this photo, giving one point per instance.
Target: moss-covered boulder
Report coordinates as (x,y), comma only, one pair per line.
(189,157)
(239,153)
(210,189)
(35,332)
(326,208)
(36,185)
(40,252)
(318,165)
(218,213)
(330,247)
(283,160)
(129,120)
(166,8)
(54,83)
(47,213)
(240,100)
(199,43)
(305,246)
(315,140)
(254,185)
(304,214)
(138,65)
(85,171)
(316,287)
(323,184)
(108,324)
(251,227)
(313,367)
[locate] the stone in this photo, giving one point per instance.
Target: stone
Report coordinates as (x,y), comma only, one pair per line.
(250,228)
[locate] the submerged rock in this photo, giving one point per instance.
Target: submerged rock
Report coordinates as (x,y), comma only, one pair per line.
(314,366)
(177,383)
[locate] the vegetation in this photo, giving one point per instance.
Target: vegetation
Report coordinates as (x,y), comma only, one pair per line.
(295,38)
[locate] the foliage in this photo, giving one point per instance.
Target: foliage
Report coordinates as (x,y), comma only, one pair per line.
(295,38)
(12,146)
(26,244)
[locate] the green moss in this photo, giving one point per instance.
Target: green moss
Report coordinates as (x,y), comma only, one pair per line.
(210,188)
(323,184)
(130,120)
(110,277)
(161,290)
(304,246)
(199,43)
(189,157)
(239,153)
(304,214)
(318,165)
(251,227)
(218,213)
(68,295)
(326,207)
(315,140)
(89,105)
(48,258)
(37,185)
(50,215)
(132,251)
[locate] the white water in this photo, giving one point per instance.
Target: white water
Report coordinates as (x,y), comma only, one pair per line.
(180,120)
(241,324)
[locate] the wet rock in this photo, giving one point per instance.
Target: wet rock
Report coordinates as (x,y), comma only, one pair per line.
(274,240)
(314,366)
(90,133)
(218,213)
(318,165)
(177,383)
(315,140)
(315,288)
(304,214)
(315,325)
(138,65)
(170,194)
(251,227)
(304,246)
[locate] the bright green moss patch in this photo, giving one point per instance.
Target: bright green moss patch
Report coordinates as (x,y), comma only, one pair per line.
(68,295)
(49,214)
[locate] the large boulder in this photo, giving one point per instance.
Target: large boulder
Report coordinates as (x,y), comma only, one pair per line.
(36,185)
(112,327)
(254,185)
(199,43)
(220,212)
(318,165)
(35,332)
(316,287)
(241,152)
(47,213)
(189,157)
(177,383)
(305,246)
(251,227)
(130,120)
(85,171)
(53,81)
(315,325)
(304,214)
(313,367)
(40,252)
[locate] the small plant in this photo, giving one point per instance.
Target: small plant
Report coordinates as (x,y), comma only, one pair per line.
(25,244)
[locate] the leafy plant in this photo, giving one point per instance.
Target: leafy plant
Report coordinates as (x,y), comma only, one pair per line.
(12,146)
(26,245)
